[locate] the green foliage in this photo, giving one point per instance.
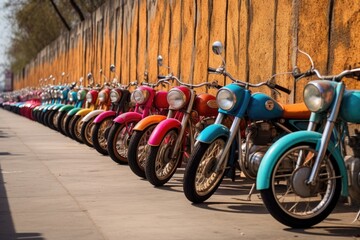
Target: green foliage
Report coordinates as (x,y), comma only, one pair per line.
(36,24)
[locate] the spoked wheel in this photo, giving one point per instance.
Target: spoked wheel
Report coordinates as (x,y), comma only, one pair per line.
(290,199)
(201,178)
(60,120)
(118,141)
(75,128)
(56,120)
(139,150)
(100,134)
(159,166)
(86,132)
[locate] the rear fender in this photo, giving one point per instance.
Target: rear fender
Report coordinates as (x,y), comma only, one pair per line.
(161,129)
(149,120)
(128,117)
(104,115)
(284,144)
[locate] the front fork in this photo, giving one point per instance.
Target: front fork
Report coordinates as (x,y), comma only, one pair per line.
(233,132)
(325,139)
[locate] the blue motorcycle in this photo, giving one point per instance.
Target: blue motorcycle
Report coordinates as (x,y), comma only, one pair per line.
(246,125)
(303,174)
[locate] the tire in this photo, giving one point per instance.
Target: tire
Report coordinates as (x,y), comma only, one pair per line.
(159,168)
(56,120)
(288,198)
(75,128)
(86,132)
(66,129)
(60,121)
(100,133)
(118,141)
(200,179)
(139,150)
(50,121)
(62,128)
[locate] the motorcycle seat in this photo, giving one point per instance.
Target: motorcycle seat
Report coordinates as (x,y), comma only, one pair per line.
(296,111)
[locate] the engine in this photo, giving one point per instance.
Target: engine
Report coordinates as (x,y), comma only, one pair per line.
(259,136)
(353,168)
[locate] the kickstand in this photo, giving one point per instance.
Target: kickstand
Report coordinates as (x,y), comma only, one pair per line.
(251,192)
(357,218)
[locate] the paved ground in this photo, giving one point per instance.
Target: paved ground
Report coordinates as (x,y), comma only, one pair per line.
(52,187)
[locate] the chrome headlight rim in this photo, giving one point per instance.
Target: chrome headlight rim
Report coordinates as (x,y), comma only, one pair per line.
(102,96)
(81,94)
(176,99)
(114,96)
(89,97)
(226,99)
(319,95)
(140,96)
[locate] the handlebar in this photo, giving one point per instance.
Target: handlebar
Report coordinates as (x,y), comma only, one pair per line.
(170,76)
(222,71)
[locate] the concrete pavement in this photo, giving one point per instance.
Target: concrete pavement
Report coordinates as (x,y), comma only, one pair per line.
(52,187)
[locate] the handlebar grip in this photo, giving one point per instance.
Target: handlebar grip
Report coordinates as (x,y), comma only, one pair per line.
(212,70)
(283,89)
(161,77)
(218,86)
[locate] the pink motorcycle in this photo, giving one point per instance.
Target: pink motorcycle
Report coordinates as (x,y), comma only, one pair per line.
(148,101)
(173,139)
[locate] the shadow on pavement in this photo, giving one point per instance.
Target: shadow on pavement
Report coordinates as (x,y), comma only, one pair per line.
(339,231)
(7,229)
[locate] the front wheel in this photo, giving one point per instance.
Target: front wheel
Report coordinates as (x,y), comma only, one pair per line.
(201,179)
(100,134)
(139,150)
(86,132)
(160,166)
(118,141)
(75,128)
(290,199)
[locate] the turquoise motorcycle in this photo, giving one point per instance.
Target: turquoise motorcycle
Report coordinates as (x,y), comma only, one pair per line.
(303,174)
(246,125)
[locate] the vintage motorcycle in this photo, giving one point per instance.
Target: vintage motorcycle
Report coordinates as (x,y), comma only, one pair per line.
(147,101)
(172,140)
(120,103)
(302,175)
(257,120)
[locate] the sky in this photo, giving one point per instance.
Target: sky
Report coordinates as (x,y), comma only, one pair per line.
(5,33)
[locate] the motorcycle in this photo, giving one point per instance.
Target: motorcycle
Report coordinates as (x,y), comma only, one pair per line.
(147,101)
(120,103)
(172,140)
(256,121)
(303,174)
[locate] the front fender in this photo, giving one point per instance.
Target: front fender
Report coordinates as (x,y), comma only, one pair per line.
(161,129)
(284,144)
(104,115)
(66,108)
(73,111)
(149,120)
(128,117)
(91,115)
(212,132)
(57,106)
(84,112)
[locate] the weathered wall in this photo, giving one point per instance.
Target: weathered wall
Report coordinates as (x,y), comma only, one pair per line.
(260,39)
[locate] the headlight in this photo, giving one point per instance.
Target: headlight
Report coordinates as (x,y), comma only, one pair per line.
(70,98)
(114,96)
(176,99)
(102,96)
(318,95)
(89,97)
(225,99)
(81,95)
(140,96)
